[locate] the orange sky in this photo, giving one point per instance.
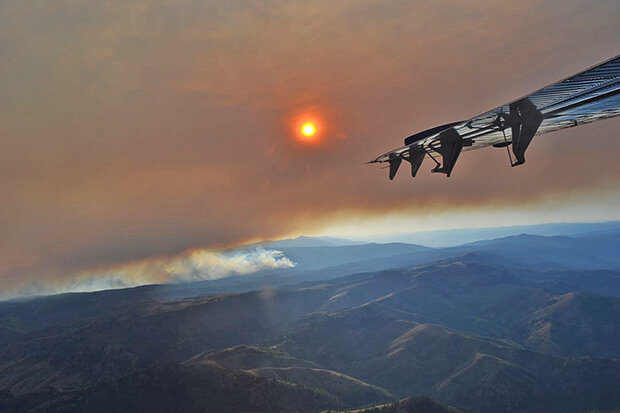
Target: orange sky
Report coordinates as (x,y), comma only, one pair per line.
(134,130)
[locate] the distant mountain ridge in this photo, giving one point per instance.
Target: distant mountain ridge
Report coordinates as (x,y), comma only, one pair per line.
(305,241)
(454,237)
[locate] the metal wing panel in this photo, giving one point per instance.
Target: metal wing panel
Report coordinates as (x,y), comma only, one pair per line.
(583,98)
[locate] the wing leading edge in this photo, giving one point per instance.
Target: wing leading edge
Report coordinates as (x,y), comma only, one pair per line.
(591,95)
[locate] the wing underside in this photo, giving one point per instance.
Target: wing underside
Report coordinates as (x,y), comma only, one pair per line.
(583,98)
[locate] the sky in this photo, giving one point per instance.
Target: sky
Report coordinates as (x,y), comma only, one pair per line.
(137,131)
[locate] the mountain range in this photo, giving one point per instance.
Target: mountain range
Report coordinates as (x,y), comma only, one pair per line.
(525,323)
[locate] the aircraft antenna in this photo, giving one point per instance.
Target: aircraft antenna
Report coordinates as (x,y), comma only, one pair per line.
(506,142)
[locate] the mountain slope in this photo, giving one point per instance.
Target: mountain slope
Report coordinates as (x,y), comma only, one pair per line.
(246,357)
(477,373)
(282,383)
(461,294)
(153,332)
(472,330)
(415,404)
(576,324)
(180,388)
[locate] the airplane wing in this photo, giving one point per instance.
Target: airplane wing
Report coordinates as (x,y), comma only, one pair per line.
(583,98)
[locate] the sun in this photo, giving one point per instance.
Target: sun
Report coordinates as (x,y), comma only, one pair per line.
(308,129)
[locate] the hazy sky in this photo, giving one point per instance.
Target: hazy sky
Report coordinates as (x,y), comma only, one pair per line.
(133,130)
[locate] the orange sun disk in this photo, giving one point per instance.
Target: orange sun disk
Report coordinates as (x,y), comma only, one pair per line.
(308,130)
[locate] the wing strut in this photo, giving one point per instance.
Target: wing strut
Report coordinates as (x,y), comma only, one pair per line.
(506,143)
